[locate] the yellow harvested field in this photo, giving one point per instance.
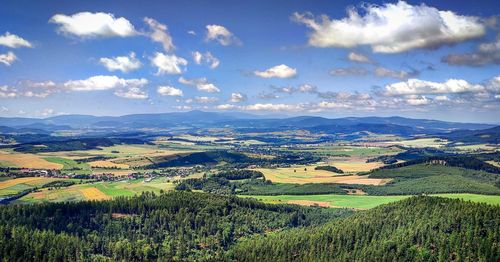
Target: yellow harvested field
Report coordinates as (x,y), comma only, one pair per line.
(93,193)
(23,180)
(107,164)
(421,142)
(493,163)
(301,176)
(309,203)
(28,160)
(356,166)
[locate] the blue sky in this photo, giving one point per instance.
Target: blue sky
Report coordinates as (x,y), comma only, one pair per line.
(431,59)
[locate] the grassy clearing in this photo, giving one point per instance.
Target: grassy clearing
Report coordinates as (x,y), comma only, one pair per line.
(363,201)
(14,159)
(307,174)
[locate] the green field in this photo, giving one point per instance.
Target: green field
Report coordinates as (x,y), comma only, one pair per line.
(70,165)
(351,151)
(98,190)
(364,202)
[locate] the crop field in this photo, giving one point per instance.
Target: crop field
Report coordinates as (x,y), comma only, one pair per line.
(307,174)
(14,186)
(98,190)
(70,164)
(353,151)
(363,201)
(15,159)
(107,164)
(421,142)
(92,193)
(354,165)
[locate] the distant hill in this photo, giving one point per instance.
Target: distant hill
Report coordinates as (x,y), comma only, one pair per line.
(239,120)
(490,135)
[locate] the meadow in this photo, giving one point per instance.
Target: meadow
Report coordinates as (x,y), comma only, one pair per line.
(304,174)
(363,201)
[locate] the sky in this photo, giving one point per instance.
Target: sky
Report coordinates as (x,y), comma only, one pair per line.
(420,59)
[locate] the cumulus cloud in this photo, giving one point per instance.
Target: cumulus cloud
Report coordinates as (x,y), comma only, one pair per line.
(121,63)
(360,58)
(206,99)
(279,71)
(8,58)
(486,53)
(349,71)
(201,84)
(272,107)
(392,28)
(169,91)
(13,41)
(169,64)
(102,82)
(159,33)
(226,107)
(206,58)
(237,97)
(131,93)
(222,35)
(418,101)
(7,92)
(421,87)
(385,72)
(91,25)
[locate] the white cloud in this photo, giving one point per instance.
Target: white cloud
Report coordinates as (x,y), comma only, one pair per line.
(47,112)
(90,25)
(272,107)
(357,57)
(486,53)
(221,34)
(159,33)
(418,101)
(332,105)
(121,63)
(169,64)
(441,98)
(392,28)
(225,107)
(206,99)
(7,92)
(131,93)
(280,71)
(169,91)
(207,58)
(307,88)
(349,71)
(191,32)
(102,82)
(237,97)
(8,58)
(420,87)
(385,72)
(13,41)
(200,83)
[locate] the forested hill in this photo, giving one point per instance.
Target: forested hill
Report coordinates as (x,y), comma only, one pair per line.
(177,226)
(416,229)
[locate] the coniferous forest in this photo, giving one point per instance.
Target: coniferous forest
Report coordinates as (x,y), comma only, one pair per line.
(187,226)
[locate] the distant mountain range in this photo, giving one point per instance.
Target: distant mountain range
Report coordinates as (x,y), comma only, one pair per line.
(201,119)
